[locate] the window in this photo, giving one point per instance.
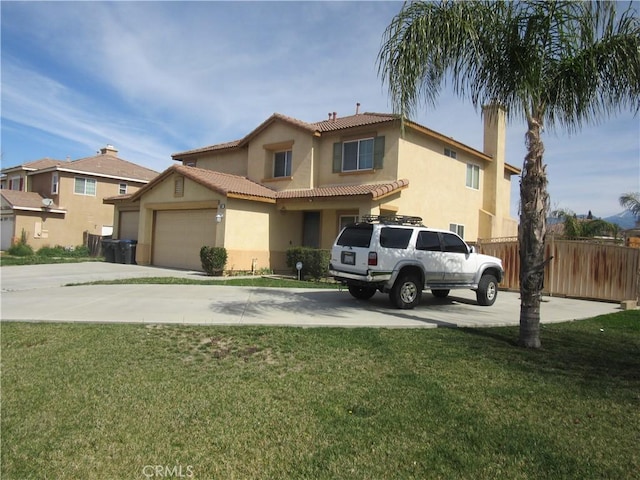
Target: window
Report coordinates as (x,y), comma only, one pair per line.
(453,244)
(455,228)
(123,189)
(347,220)
(282,164)
(356,236)
(54,184)
(395,237)
(15,183)
(429,241)
(357,155)
(85,186)
(473,176)
(450,153)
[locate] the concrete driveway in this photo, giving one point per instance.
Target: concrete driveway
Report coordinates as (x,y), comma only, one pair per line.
(37,293)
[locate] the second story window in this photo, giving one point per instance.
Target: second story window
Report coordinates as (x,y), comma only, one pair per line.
(282,164)
(457,228)
(54,184)
(15,183)
(85,186)
(122,190)
(473,176)
(450,153)
(355,155)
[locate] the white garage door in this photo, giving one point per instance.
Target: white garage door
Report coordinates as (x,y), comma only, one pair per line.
(128,225)
(180,234)
(6,226)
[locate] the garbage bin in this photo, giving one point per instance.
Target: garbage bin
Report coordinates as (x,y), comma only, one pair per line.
(109,250)
(128,251)
(119,252)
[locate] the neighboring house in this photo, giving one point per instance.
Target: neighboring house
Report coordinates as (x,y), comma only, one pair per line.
(291,183)
(55,202)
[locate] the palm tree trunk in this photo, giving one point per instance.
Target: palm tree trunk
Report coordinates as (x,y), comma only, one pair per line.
(534,202)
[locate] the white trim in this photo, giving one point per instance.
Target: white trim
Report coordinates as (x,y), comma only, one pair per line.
(82,172)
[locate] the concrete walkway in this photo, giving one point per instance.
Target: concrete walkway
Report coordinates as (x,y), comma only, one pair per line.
(37,293)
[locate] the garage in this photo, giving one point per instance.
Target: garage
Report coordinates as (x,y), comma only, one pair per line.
(179,235)
(7,227)
(128,228)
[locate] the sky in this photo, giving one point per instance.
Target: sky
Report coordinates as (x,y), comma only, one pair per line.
(157,78)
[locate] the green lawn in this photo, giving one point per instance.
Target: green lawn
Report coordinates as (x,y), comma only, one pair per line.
(112,401)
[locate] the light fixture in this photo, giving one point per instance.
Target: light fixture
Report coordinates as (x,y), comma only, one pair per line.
(219,217)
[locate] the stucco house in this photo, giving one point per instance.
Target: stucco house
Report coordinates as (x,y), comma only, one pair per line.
(291,183)
(55,202)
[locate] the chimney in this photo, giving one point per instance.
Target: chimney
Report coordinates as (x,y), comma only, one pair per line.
(357,108)
(334,116)
(496,192)
(329,115)
(109,150)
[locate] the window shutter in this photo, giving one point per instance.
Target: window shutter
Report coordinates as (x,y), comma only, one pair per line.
(337,157)
(21,183)
(378,152)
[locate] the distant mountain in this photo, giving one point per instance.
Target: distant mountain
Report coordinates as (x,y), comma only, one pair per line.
(624,220)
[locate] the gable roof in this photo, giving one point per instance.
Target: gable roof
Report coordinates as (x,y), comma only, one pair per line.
(33,166)
(19,200)
(235,186)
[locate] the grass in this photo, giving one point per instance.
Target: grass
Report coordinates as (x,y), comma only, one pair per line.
(11,260)
(107,401)
(257,281)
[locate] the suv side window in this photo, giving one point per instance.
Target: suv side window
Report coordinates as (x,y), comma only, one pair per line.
(454,244)
(395,237)
(429,241)
(356,236)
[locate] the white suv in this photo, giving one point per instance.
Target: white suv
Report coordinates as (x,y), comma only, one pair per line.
(400,256)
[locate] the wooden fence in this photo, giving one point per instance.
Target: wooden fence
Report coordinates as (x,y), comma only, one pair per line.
(579,269)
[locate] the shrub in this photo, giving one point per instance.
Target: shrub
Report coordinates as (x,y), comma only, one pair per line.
(315,262)
(213,259)
(20,250)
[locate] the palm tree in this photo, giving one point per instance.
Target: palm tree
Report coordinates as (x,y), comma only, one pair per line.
(551,63)
(631,202)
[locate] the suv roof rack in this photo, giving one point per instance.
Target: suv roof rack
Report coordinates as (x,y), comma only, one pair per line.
(394,219)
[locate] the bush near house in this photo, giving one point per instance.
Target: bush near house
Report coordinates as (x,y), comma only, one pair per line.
(79,251)
(315,262)
(213,259)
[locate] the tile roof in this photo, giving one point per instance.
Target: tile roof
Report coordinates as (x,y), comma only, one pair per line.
(351,121)
(234,185)
(35,165)
(18,199)
(225,183)
(375,190)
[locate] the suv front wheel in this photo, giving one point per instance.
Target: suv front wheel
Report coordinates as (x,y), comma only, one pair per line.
(487,290)
(406,292)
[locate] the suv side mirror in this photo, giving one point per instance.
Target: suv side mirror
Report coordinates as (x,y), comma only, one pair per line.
(472,249)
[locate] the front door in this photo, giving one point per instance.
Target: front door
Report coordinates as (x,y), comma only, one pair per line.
(311,230)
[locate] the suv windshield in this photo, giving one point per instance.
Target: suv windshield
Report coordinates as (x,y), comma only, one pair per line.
(356,236)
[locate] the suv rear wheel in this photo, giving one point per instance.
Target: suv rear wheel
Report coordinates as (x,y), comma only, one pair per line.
(406,292)
(487,290)
(361,293)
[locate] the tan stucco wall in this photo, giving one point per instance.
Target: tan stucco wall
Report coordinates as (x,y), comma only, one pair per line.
(280,137)
(437,191)
(233,161)
(43,229)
